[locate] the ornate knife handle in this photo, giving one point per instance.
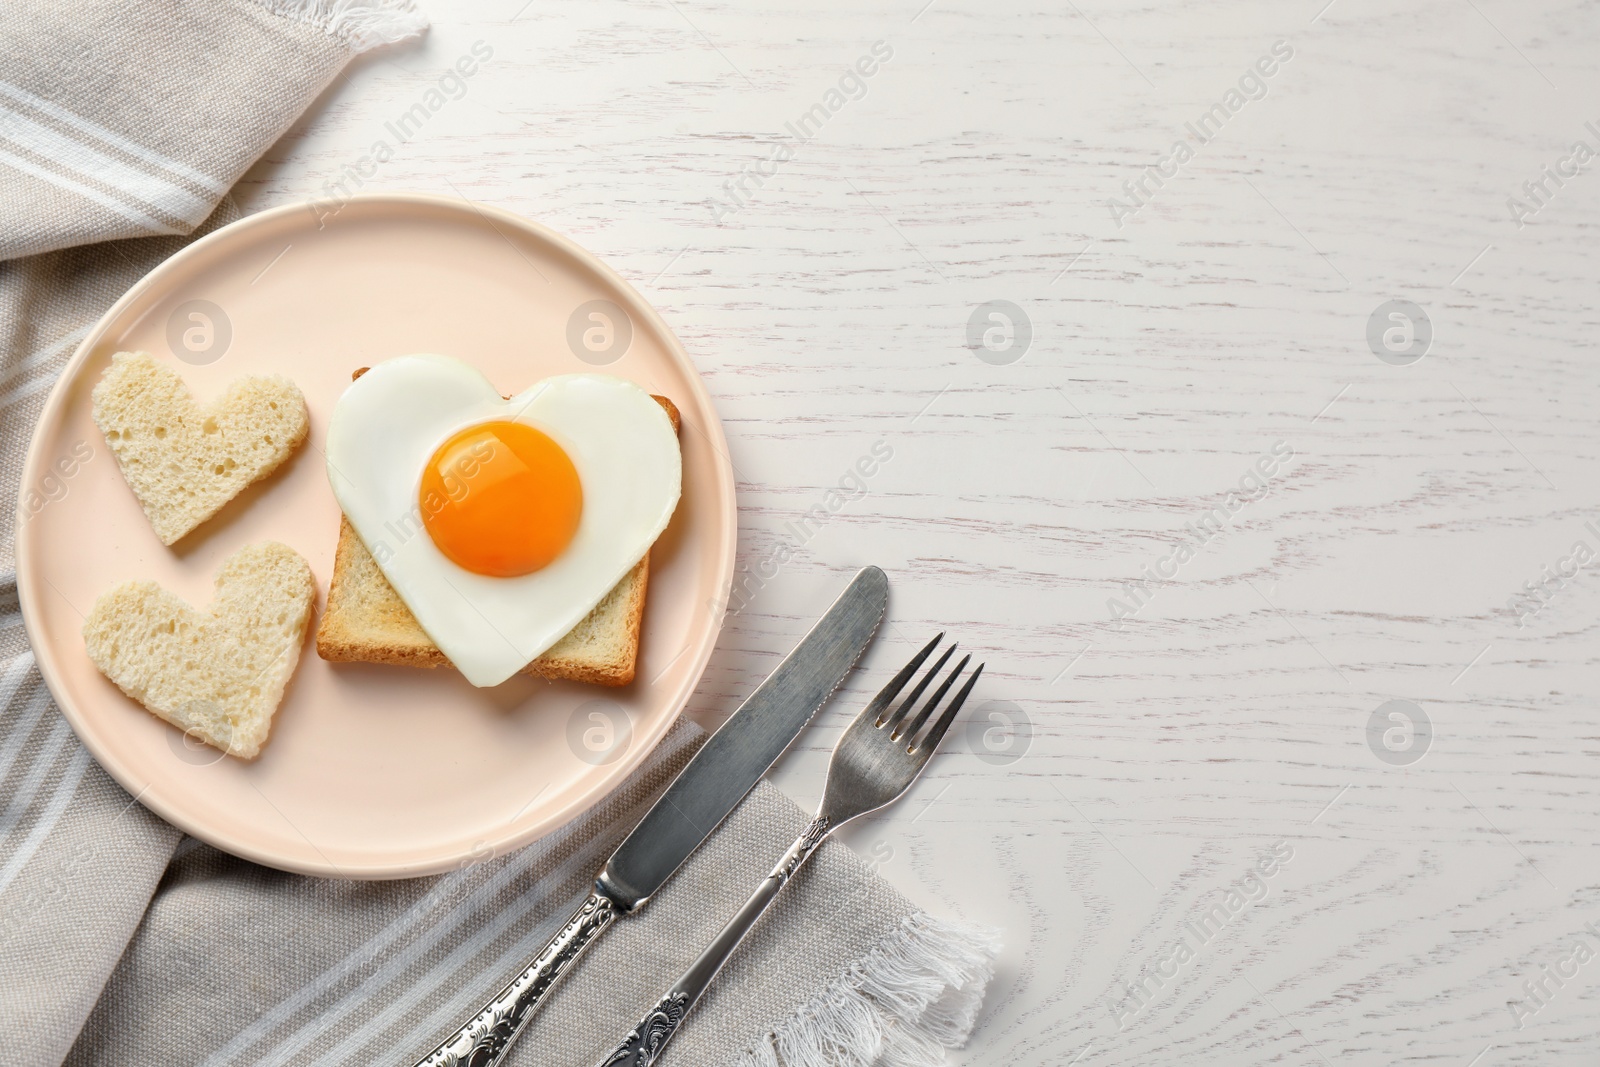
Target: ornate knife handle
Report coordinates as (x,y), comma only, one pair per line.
(484,1038)
(646,1040)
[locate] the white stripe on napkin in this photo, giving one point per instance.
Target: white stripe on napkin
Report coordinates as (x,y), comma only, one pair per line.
(286,1047)
(22,800)
(404,924)
(26,389)
(285,1009)
(18,163)
(65,791)
(32,712)
(518,955)
(445,1015)
(111,137)
(44,355)
(11,681)
(63,151)
(584,859)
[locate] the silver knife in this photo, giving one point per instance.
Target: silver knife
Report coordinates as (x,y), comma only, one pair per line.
(727,767)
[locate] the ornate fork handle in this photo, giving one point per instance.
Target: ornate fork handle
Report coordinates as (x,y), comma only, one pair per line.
(483,1039)
(881,753)
(646,1041)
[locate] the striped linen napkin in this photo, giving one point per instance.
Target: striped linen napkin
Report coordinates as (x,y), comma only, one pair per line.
(122,942)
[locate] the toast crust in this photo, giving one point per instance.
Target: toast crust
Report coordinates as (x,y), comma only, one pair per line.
(367,622)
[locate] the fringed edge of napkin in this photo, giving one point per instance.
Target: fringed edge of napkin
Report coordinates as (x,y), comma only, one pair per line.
(914,995)
(360,24)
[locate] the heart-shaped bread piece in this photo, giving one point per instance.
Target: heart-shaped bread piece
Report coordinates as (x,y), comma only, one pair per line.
(185,460)
(216,674)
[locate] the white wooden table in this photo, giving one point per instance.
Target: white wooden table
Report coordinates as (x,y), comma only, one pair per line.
(1148,766)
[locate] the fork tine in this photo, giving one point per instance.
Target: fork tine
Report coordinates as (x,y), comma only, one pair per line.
(875,709)
(931,740)
(909,730)
(910,701)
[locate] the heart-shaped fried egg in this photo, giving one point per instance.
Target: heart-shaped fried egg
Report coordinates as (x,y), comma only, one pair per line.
(501,523)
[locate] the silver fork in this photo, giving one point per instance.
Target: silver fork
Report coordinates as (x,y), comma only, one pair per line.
(875,762)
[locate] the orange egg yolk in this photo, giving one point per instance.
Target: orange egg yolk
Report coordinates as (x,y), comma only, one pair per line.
(501,498)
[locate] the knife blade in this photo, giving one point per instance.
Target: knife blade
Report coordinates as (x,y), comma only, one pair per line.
(710,786)
(731,761)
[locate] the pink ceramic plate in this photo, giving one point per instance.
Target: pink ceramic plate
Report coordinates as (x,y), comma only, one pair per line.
(371,771)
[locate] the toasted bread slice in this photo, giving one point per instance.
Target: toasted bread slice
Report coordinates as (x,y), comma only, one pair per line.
(216,674)
(367,622)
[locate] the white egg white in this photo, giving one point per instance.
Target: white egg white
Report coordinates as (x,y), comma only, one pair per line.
(388,424)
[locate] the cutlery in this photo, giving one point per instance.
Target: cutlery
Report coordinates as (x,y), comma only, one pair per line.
(875,762)
(727,767)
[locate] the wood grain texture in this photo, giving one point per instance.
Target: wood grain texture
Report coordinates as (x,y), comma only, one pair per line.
(1229,314)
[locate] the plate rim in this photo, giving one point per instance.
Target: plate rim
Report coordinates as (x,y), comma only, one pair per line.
(44,653)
